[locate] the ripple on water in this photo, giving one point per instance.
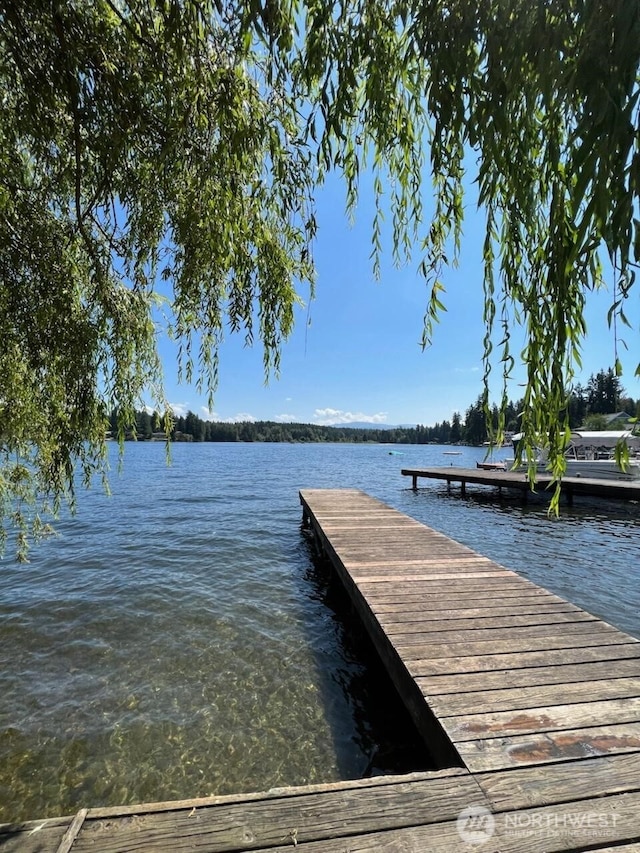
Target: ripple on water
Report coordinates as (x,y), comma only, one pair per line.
(176,640)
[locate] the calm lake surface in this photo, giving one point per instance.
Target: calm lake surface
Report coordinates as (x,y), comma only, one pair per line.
(177,639)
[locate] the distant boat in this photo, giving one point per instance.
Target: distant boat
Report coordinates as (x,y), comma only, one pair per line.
(396,453)
(492,466)
(592,454)
(452,452)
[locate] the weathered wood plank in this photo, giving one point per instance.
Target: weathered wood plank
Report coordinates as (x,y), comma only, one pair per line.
(379,552)
(429,609)
(585,825)
(540,785)
(417,650)
(584,632)
(471,726)
(72,832)
(34,836)
(503,753)
(518,698)
(488,589)
(274,821)
(574,827)
(415,622)
(423,562)
(520,660)
(432,577)
(462,683)
(434,838)
(506,752)
(451,598)
(457,568)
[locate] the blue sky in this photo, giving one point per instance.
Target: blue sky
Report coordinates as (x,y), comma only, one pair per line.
(355,353)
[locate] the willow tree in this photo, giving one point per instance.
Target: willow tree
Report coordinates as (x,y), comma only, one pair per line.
(159,159)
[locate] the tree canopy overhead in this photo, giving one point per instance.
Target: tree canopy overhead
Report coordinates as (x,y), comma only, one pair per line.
(161,156)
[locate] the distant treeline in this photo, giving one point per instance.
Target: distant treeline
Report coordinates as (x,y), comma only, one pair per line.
(602,395)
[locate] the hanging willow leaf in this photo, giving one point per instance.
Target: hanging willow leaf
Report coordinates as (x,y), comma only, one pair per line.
(152,148)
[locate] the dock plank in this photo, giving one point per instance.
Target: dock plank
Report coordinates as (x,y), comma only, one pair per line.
(579,632)
(570,781)
(518,698)
(274,820)
(416,622)
(419,650)
(546,747)
(544,718)
(470,682)
(521,660)
(427,609)
(586,825)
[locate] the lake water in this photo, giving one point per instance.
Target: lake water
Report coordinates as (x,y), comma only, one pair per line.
(177,639)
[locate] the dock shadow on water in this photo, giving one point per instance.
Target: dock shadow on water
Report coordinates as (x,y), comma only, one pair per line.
(380,738)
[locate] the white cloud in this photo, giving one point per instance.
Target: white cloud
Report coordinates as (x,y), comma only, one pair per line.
(327,417)
(241,417)
(180,410)
(208,415)
(287,419)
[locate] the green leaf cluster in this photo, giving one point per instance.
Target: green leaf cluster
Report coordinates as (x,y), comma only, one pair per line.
(158,161)
(151,166)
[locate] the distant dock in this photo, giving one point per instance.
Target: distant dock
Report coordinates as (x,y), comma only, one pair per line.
(620,489)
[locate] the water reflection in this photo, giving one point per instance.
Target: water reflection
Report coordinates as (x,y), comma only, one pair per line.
(177,639)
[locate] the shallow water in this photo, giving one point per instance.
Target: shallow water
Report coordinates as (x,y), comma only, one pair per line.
(177,639)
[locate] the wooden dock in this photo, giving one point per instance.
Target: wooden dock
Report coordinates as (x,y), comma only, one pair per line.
(533,702)
(539,699)
(620,489)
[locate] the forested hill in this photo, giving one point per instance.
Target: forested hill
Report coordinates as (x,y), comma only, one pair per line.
(193,428)
(589,405)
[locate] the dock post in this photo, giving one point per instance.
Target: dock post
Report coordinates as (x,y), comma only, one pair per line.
(415,482)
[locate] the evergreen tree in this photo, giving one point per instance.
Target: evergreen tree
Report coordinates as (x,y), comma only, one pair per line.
(603,392)
(475,424)
(455,433)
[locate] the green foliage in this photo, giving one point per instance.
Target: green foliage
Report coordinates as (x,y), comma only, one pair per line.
(159,157)
(192,428)
(148,160)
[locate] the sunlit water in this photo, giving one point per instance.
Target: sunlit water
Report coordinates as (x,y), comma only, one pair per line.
(178,640)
